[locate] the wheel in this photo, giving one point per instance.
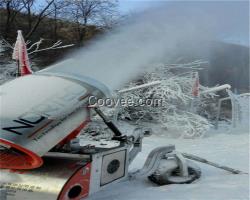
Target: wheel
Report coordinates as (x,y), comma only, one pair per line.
(168,172)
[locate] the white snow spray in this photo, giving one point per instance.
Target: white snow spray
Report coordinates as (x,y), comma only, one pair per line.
(158,34)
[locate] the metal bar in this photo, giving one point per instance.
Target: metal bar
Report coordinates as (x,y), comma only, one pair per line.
(146,85)
(108,122)
(202,160)
(67,155)
(216,89)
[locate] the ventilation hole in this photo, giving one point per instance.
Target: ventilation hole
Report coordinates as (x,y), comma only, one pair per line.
(75,191)
(113,166)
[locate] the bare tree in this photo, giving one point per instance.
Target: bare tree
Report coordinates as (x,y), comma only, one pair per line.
(28,6)
(42,14)
(87,12)
(12,8)
(56,13)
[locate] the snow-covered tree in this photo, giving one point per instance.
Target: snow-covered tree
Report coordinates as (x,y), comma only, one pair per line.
(8,67)
(175,92)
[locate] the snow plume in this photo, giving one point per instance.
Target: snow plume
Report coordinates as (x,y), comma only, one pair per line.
(162,33)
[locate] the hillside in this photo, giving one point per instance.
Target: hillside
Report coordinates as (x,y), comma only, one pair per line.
(51,31)
(48,28)
(228,63)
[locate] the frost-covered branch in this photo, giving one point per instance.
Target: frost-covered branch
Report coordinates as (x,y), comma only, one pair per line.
(175,91)
(56,45)
(36,47)
(5,43)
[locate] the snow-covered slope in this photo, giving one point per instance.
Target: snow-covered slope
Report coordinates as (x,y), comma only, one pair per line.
(231,149)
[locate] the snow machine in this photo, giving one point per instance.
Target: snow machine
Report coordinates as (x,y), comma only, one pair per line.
(40,111)
(42,158)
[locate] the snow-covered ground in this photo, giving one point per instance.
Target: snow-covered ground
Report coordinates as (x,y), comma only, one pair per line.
(224,147)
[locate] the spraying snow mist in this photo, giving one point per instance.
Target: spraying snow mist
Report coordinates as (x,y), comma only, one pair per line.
(159,34)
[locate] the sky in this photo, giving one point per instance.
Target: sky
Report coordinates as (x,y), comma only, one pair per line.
(127,6)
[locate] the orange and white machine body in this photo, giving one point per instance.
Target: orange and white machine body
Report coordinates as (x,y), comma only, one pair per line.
(66,176)
(41,114)
(40,111)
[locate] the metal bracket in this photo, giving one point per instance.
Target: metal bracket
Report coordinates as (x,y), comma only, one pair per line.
(182,163)
(152,162)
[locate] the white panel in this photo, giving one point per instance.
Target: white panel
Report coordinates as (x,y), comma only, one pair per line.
(110,173)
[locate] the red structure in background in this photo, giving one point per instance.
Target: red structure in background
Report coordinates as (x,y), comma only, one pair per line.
(20,54)
(196,85)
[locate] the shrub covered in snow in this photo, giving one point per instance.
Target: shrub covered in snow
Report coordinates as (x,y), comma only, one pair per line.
(8,67)
(175,91)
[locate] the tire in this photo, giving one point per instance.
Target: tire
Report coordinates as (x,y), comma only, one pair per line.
(171,175)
